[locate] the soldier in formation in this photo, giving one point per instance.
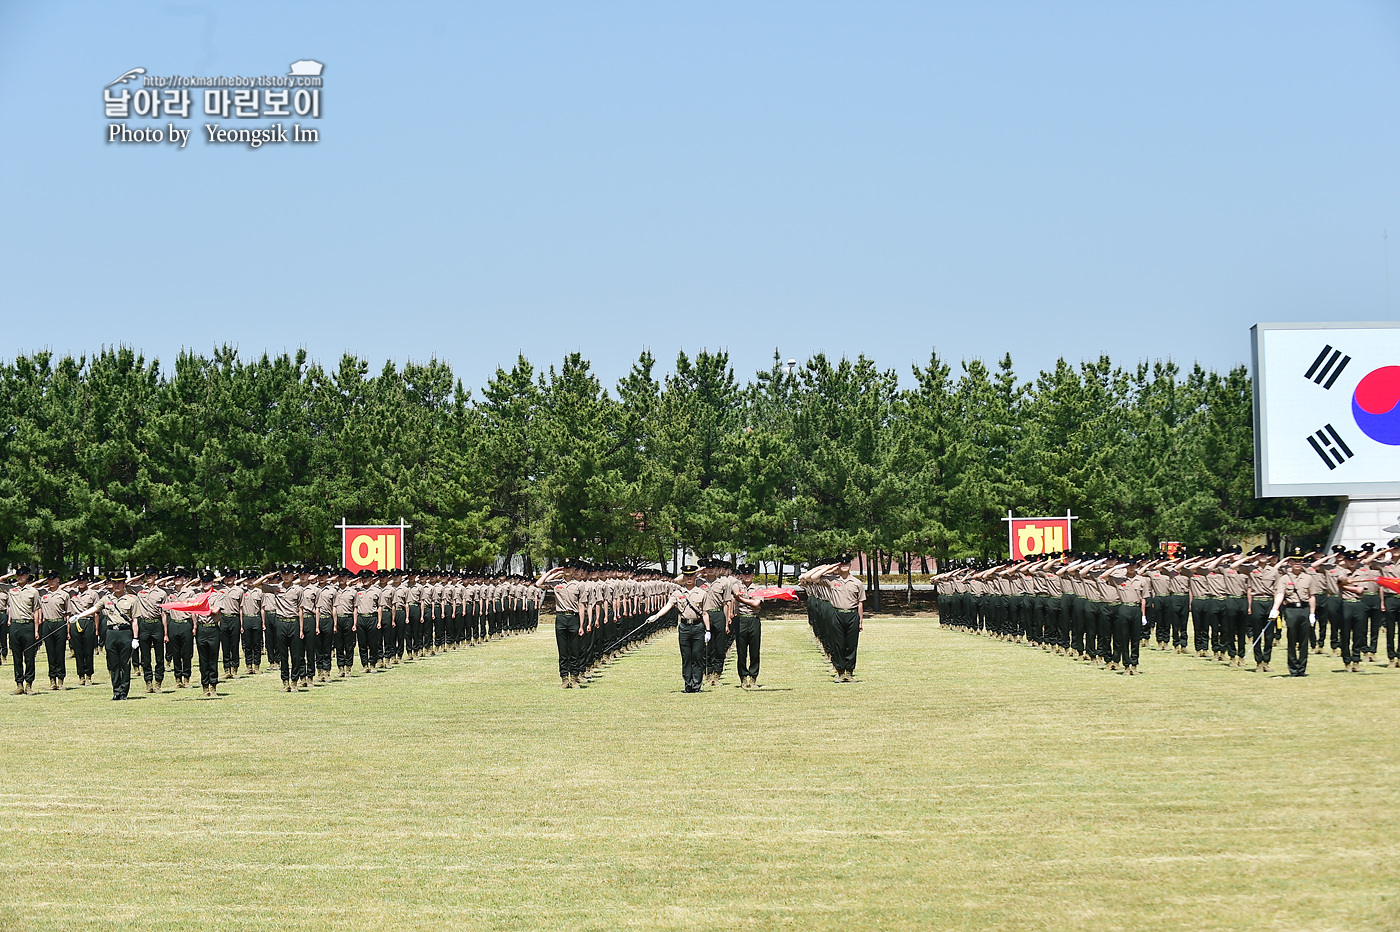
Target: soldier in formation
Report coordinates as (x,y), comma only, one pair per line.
(1223,605)
(601,613)
(308,618)
(836,612)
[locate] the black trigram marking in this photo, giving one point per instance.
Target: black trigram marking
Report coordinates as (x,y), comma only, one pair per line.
(1327,366)
(1330,446)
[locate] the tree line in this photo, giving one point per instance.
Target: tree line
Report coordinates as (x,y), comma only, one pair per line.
(111,460)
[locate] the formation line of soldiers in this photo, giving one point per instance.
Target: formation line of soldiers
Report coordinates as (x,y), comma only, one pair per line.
(601,612)
(715,608)
(305,619)
(836,612)
(1101,608)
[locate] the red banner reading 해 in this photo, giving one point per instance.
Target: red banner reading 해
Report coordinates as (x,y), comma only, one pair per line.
(1033,537)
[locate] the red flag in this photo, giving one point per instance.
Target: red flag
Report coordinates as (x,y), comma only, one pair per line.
(775,593)
(1392,584)
(199,606)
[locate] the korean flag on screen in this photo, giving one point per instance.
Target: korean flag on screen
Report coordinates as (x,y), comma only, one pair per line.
(1331,406)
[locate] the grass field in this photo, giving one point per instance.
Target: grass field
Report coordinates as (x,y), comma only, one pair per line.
(961,783)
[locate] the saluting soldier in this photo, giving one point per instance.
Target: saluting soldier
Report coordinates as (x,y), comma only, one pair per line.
(1106,596)
(231,621)
(1234,609)
(1390,604)
(1329,600)
(568,622)
(437,632)
(55,607)
(179,629)
(1130,618)
(83,634)
(1178,606)
(1202,600)
(5,616)
(306,609)
(208,634)
(325,624)
(282,602)
(1368,571)
(150,630)
(847,600)
(25,615)
(1353,581)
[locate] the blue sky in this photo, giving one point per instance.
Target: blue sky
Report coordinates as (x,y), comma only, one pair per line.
(1048,179)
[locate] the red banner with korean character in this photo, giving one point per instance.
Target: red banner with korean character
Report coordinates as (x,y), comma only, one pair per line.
(372,547)
(1035,537)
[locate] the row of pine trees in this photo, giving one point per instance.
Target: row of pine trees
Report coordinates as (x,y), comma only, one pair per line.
(113,460)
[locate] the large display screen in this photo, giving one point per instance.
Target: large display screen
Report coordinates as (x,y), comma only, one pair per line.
(1327,409)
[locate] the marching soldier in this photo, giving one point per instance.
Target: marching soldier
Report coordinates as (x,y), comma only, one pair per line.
(1263,579)
(1294,592)
(748,629)
(119,608)
(694,625)
(716,600)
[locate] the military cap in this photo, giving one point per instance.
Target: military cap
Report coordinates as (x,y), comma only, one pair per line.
(1368,547)
(690,569)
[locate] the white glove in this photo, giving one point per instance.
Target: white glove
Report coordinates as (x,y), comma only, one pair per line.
(1144,621)
(135,644)
(707,637)
(1312,619)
